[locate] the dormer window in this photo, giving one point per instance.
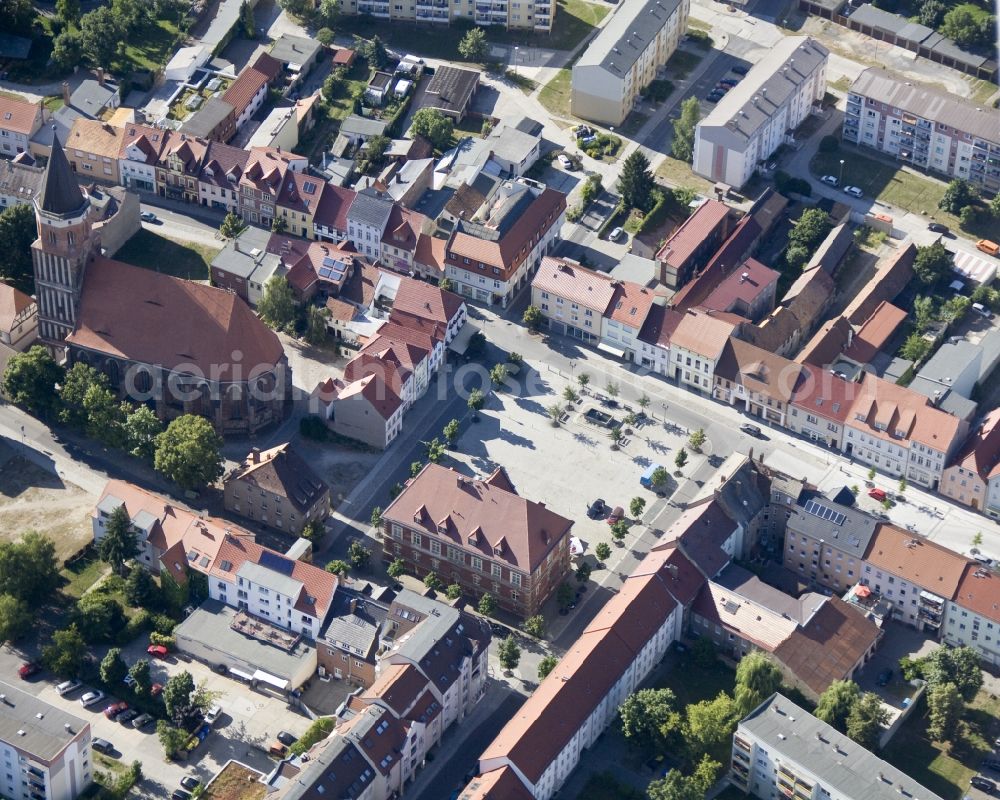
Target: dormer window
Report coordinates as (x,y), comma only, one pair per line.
(498,550)
(442,527)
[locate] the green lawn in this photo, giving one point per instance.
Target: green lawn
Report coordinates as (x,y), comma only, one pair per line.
(555,94)
(151,48)
(982,91)
(678,173)
(574,20)
(680,64)
(82,574)
(180,259)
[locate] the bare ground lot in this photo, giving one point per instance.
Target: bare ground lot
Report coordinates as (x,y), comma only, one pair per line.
(32,499)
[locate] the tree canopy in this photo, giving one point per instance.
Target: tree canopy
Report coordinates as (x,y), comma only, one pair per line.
(650,718)
(16,618)
(30,380)
(17,232)
(682,145)
(944,710)
(434,126)
(757,678)
(277,304)
(932,263)
(836,702)
(118,544)
(187,452)
(957,195)
(473,46)
(636,182)
(864,723)
(65,654)
(710,723)
(28,569)
(509,653)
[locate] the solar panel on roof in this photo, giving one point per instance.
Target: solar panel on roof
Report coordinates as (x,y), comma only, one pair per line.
(824,512)
(277,563)
(329,262)
(325,273)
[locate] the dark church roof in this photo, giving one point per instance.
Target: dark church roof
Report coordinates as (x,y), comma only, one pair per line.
(60,192)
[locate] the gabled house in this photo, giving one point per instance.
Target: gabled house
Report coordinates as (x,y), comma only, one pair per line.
(19,121)
(972,478)
(141,149)
(18,318)
(179,167)
(762,382)
(219,179)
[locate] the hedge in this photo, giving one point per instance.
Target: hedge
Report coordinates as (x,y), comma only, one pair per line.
(316,732)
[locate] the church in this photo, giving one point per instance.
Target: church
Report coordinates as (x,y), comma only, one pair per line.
(178,346)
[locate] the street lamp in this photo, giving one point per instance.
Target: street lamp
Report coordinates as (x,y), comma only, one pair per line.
(841,170)
(516,49)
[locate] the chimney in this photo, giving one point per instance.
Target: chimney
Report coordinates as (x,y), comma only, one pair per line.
(65,92)
(100,76)
(255,455)
(399,178)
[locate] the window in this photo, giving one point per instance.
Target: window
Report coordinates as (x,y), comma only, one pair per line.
(495,570)
(435,547)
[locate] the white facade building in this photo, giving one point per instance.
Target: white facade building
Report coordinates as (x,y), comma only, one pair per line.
(758,114)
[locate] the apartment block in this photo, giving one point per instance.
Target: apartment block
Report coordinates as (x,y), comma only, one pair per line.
(526,15)
(781,750)
(924,127)
(761,112)
(625,57)
(44,751)
(480,534)
(696,346)
(819,406)
(19,121)
(973,476)
(972,619)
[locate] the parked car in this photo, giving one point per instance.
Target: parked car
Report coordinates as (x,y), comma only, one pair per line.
(190,782)
(982,310)
(830,179)
(730,82)
(102,746)
(127,716)
(722,87)
(90,698)
(616,514)
(937,227)
(615,235)
(142,721)
(713,98)
(739,69)
(129,681)
(157,651)
(565,162)
(287,738)
(983,784)
(180,794)
(597,508)
(989,247)
(222,669)
(990,763)
(751,430)
(213,714)
(66,687)
(884,677)
(853,191)
(112,711)
(877,494)
(156,690)
(147,216)
(27,669)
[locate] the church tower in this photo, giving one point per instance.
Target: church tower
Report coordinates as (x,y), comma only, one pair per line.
(60,254)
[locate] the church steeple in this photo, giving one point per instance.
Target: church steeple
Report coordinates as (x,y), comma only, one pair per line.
(60,192)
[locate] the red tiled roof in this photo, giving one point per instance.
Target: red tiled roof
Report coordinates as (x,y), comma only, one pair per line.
(148,139)
(979,591)
(733,251)
(891,276)
(587,287)
(223,160)
(421,299)
(876,331)
(431,252)
(241,91)
(216,324)
(12,302)
(18,115)
(399,686)
(702,332)
(343,56)
(479,517)
(759,370)
(497,784)
(823,394)
(300,192)
(683,242)
(701,531)
(923,563)
(897,408)
(981,451)
(661,322)
(742,286)
(334,203)
(403,228)
(373,388)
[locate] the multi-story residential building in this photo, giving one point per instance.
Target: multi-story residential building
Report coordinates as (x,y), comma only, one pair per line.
(973,476)
(330,218)
(219,179)
(820,405)
(781,750)
(762,382)
(368,408)
(925,127)
(278,488)
(972,619)
(178,167)
(532,15)
(297,202)
(479,534)
(262,181)
(760,113)
(749,291)
(917,576)
(20,181)
(900,432)
(417,303)
(19,121)
(285,592)
(92,149)
(690,247)
(44,751)
(367,219)
(624,58)
(18,319)
(654,338)
(491,256)
(826,542)
(140,152)
(696,346)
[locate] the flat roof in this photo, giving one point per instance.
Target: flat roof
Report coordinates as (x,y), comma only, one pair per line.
(34,726)
(207,118)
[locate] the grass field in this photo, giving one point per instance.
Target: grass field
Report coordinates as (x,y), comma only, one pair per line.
(555,94)
(180,259)
(151,48)
(680,64)
(678,173)
(83,573)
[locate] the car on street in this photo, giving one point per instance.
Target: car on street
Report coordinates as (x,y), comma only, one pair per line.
(830,180)
(190,783)
(90,698)
(565,162)
(142,721)
(112,711)
(102,746)
(222,669)
(596,509)
(854,191)
(722,87)
(615,235)
(66,687)
(739,69)
(884,677)
(714,96)
(990,763)
(730,82)
(157,651)
(287,738)
(983,784)
(616,514)
(27,669)
(877,494)
(937,227)
(147,216)
(180,794)
(127,716)
(213,714)
(751,430)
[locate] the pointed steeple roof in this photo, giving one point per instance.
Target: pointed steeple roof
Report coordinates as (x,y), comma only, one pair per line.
(60,192)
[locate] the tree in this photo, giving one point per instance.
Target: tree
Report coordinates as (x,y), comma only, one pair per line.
(836,702)
(476,400)
(445,284)
(105,417)
(64,656)
(312,531)
(602,551)
(644,402)
(650,718)
(118,544)
(338,567)
(113,667)
(375,520)
(932,263)
(472,47)
(433,582)
(187,452)
(611,388)
(276,306)
(957,195)
(555,412)
(532,316)
(570,395)
(67,50)
(17,232)
(583,379)
(697,440)
(140,674)
(140,429)
(681,459)
(498,375)
(618,531)
(140,589)
(995,205)
(372,50)
(171,737)
(450,431)
(535,626)
(676,786)
(16,619)
(101,36)
(30,380)
(248,25)
(17,16)
(710,723)
(433,126)
(79,379)
(546,665)
(864,723)
(100,617)
(954,308)
(969,217)
(396,568)
(796,256)
(435,450)
(359,555)
(923,312)
(178,695)
(583,572)
(757,678)
(812,227)
(327,12)
(130,14)
(487,605)
(658,480)
(564,595)
(453,592)
(635,183)
(682,146)
(915,347)
(635,508)
(977,539)
(958,665)
(28,569)
(944,710)
(317,320)
(968,25)
(932,13)
(509,653)
(325,36)
(416,468)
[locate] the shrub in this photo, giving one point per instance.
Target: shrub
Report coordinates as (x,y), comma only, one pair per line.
(316,732)
(159,638)
(139,622)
